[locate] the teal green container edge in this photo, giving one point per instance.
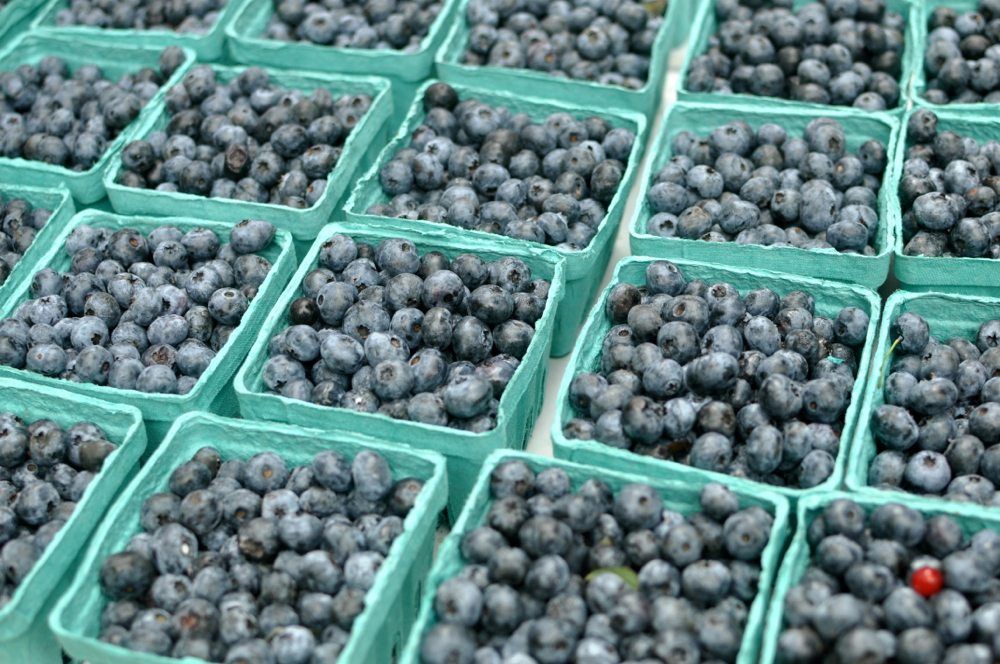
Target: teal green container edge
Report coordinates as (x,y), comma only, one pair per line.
(390,604)
(15,16)
(797,557)
(115,60)
(949,315)
(584,268)
(60,202)
(208,47)
(24,634)
(246,44)
(868,271)
(645,100)
(979,276)
(214,388)
(586,357)
(677,493)
(520,403)
(705,24)
(360,148)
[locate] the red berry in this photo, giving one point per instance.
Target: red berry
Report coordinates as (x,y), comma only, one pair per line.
(927,581)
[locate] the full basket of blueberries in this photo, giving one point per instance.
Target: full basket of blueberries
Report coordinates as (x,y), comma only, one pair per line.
(252,542)
(795,191)
(245,142)
(557,562)
(418,339)
(155,313)
(511,171)
(959,42)
(696,371)
(63,459)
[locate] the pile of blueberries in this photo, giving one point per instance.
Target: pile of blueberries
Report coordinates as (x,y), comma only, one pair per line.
(840,52)
(594,575)
(893,586)
(138,312)
(184,16)
(413,336)
(962,60)
(765,187)
(754,386)
(247,139)
(252,561)
(19,223)
(485,168)
(370,24)
(607,42)
(65,117)
(44,472)
(938,431)
(950,192)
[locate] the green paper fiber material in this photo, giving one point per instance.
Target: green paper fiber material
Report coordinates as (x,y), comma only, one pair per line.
(390,604)
(520,403)
(14,17)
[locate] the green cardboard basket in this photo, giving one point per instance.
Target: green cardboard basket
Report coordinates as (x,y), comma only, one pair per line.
(705,25)
(61,204)
(24,632)
(679,493)
(591,94)
(868,271)
(585,268)
(830,298)
(797,557)
(14,17)
(974,276)
(207,46)
(949,315)
(214,389)
(520,403)
(360,148)
(86,186)
(390,605)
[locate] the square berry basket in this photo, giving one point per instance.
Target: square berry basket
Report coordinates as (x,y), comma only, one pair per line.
(208,46)
(706,25)
(584,269)
(973,276)
(360,148)
(868,271)
(672,34)
(390,604)
(830,297)
(214,391)
(61,203)
(115,61)
(24,630)
(465,451)
(948,315)
(679,493)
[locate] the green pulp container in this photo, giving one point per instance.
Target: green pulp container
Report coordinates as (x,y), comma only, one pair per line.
(61,204)
(868,271)
(207,46)
(114,61)
(706,25)
(679,493)
(830,298)
(797,557)
(214,390)
(973,276)
(390,604)
(246,44)
(24,632)
(584,269)
(520,403)
(360,148)
(672,34)
(14,17)
(948,315)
